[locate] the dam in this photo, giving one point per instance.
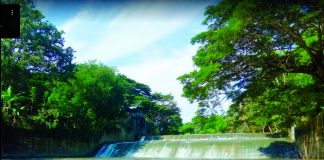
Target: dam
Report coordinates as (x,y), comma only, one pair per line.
(203,146)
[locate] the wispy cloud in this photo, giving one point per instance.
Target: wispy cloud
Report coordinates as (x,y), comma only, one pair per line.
(105,36)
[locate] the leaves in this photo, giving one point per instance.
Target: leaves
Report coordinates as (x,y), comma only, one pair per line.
(11,106)
(242,46)
(263,55)
(205,125)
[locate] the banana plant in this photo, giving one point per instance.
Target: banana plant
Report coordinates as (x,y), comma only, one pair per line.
(10,108)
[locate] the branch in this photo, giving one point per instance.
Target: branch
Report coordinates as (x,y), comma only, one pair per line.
(297,37)
(320,40)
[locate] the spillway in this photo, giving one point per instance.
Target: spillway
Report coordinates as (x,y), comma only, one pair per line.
(213,146)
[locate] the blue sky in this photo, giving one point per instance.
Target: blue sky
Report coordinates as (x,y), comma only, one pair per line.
(148,41)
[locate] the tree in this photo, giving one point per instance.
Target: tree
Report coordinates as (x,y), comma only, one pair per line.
(205,124)
(187,128)
(160,111)
(90,103)
(167,118)
(135,92)
(250,41)
(11,109)
(249,44)
(34,61)
(289,100)
(40,48)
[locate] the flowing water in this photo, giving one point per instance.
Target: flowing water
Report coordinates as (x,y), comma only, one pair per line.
(214,146)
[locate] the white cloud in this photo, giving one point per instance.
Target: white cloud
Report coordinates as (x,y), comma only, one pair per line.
(106,36)
(161,73)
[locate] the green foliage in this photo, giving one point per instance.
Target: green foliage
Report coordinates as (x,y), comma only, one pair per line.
(205,125)
(47,117)
(166,118)
(60,98)
(91,102)
(263,55)
(95,100)
(187,128)
(11,106)
(292,99)
(159,111)
(39,49)
(33,62)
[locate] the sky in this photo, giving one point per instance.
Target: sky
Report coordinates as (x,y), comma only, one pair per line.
(148,40)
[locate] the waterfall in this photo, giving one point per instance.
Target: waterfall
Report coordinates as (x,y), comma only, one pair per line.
(106,150)
(212,146)
(142,138)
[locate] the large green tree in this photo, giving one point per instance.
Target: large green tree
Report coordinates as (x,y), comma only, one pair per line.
(263,55)
(32,63)
(91,102)
(39,49)
(160,111)
(250,43)
(166,117)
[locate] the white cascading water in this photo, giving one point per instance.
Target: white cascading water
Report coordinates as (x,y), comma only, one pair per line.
(216,146)
(142,138)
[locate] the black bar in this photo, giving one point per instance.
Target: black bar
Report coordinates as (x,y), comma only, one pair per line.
(10,21)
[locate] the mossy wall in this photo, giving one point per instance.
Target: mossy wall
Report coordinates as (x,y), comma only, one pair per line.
(310,139)
(21,145)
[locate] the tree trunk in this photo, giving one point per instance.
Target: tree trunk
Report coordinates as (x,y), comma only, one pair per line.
(270,129)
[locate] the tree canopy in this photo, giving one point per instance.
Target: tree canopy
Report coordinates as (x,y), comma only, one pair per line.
(250,50)
(202,124)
